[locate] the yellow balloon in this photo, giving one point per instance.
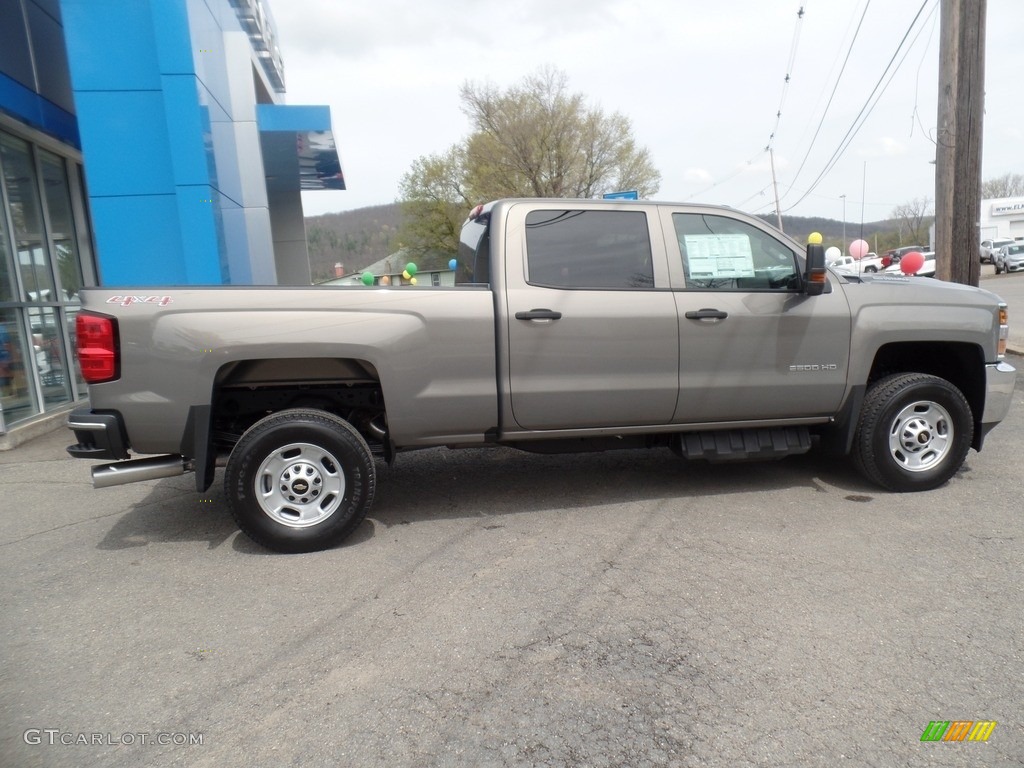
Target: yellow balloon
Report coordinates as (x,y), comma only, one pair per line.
(814,238)
(412,280)
(406,275)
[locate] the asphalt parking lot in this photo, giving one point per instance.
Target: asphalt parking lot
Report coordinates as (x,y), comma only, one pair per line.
(501,608)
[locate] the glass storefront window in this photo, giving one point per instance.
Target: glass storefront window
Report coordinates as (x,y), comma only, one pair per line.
(17,391)
(23,201)
(7,290)
(41,274)
(62,224)
(48,349)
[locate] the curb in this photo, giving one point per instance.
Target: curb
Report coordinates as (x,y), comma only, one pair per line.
(36,427)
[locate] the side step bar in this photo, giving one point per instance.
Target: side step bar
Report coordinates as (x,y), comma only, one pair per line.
(740,444)
(150,468)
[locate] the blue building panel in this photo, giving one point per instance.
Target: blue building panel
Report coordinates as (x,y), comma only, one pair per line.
(295,118)
(126,142)
(31,108)
(209,56)
(190,143)
(111,45)
(174,45)
(178,155)
(138,240)
(201,235)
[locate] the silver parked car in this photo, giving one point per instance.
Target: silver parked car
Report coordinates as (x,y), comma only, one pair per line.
(1009,258)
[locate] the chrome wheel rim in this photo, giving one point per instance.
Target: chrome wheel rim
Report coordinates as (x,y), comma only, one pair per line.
(921,436)
(299,485)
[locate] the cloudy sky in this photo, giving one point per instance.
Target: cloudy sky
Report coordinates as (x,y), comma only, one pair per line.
(701,82)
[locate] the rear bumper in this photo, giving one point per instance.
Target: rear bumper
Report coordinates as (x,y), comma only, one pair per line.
(99,435)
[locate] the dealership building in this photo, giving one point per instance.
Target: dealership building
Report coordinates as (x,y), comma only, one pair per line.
(141,143)
(1002,217)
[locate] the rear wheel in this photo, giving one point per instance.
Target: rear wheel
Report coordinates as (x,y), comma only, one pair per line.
(870,270)
(300,480)
(914,432)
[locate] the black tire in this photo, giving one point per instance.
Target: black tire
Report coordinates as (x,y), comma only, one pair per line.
(914,432)
(300,480)
(870,270)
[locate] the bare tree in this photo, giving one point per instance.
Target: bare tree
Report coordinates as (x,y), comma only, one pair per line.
(1007,185)
(914,218)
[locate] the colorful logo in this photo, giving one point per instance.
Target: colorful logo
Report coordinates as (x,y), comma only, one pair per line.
(958,730)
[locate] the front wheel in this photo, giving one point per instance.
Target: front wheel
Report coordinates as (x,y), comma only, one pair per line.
(300,480)
(914,432)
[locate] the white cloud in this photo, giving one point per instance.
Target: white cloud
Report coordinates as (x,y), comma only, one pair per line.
(697,176)
(700,83)
(884,146)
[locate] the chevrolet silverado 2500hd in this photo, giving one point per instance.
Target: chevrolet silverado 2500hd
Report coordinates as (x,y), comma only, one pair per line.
(573,325)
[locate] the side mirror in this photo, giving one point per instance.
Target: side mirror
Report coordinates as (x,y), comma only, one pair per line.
(815,276)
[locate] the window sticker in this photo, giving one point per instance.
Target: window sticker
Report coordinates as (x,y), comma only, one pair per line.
(713,257)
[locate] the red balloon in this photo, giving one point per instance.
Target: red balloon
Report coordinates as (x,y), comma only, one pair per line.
(911,262)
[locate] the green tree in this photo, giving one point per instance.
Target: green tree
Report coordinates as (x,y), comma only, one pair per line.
(435,201)
(535,139)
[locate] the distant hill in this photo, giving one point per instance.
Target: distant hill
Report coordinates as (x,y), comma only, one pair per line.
(359,238)
(354,239)
(799,227)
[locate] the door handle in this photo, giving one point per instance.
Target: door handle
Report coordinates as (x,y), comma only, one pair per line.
(707,314)
(539,314)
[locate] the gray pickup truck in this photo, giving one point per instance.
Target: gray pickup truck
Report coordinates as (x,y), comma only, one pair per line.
(574,325)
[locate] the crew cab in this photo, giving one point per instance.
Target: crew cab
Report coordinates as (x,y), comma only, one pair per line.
(573,325)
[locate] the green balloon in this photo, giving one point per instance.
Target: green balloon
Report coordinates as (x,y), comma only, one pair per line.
(410,268)
(367,278)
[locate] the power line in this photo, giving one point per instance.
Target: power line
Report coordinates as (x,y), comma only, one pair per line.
(869,104)
(730,177)
(793,46)
(839,77)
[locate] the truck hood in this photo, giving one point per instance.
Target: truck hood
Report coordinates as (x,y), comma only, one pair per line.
(892,309)
(903,289)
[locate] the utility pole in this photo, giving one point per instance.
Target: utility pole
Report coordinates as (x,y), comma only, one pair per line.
(958,145)
(778,210)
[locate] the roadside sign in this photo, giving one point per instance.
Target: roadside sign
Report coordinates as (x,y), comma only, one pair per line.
(628,195)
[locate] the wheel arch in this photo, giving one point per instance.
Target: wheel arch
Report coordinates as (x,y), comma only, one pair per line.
(961,364)
(245,391)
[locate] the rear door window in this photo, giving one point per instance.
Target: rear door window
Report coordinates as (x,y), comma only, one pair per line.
(589,249)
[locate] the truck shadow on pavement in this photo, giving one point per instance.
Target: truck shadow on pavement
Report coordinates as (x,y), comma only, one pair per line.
(439,484)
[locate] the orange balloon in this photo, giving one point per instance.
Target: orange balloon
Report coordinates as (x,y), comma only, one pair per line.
(911,263)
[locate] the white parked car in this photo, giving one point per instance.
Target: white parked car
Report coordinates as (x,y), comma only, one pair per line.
(988,248)
(927,269)
(847,265)
(871,262)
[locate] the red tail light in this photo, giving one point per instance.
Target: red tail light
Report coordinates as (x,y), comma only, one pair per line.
(97,344)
